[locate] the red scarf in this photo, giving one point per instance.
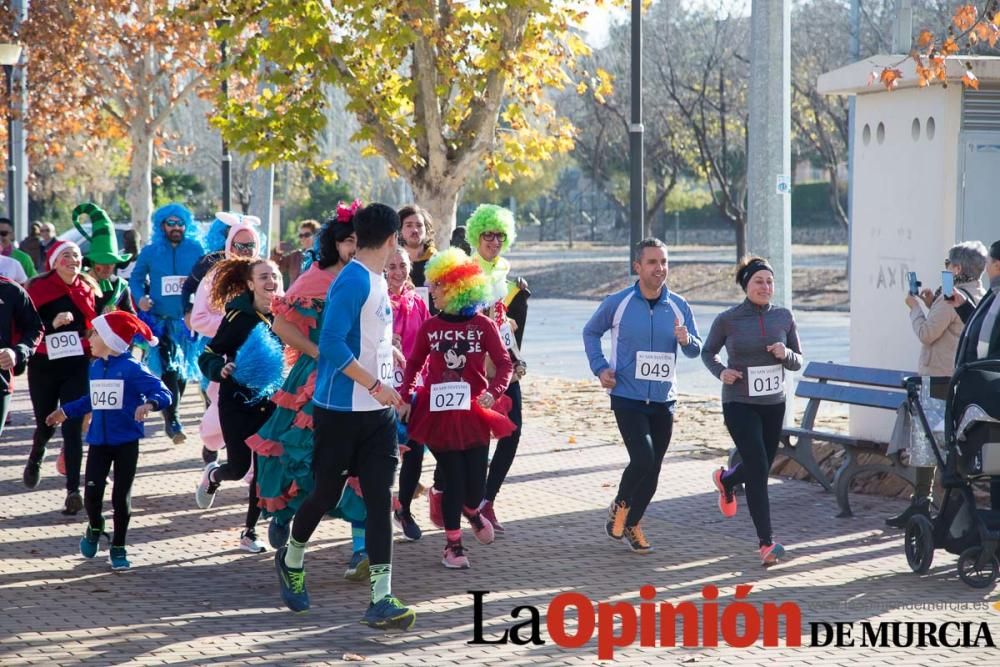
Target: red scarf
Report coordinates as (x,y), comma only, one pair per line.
(47,288)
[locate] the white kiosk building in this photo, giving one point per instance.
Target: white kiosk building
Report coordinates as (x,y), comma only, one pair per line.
(926,167)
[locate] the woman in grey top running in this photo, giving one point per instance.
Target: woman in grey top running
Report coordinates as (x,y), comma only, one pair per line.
(761,343)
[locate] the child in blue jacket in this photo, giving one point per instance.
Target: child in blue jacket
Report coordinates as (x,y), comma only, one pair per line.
(122,392)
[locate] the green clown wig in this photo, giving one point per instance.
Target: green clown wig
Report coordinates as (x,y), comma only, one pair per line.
(490,218)
(466,289)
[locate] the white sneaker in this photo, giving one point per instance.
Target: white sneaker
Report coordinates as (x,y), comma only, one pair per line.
(204,495)
(249,542)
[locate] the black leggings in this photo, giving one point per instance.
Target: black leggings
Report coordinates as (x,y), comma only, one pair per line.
(646,438)
(51,384)
(756,430)
(238,424)
(409,473)
(353,443)
(503,455)
(4,410)
(175,385)
(100,459)
(465,473)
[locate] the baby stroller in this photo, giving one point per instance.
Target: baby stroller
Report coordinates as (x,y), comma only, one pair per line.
(971,453)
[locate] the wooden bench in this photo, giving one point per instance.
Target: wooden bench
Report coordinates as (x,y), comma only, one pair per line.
(850,385)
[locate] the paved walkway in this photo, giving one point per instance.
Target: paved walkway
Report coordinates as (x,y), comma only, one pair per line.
(193,599)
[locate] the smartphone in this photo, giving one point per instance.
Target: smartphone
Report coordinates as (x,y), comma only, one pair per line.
(914,283)
(948,284)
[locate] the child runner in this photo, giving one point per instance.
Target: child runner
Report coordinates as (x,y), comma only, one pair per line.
(453,411)
(121,393)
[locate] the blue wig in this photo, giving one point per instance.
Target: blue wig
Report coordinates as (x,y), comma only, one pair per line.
(260,363)
(215,239)
(174,210)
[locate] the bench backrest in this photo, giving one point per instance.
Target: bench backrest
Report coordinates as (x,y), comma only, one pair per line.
(838,393)
(875,377)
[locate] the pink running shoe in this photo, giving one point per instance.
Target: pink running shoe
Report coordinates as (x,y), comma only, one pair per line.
(435,498)
(61,462)
(481,527)
(770,553)
(487,511)
(454,557)
(727,499)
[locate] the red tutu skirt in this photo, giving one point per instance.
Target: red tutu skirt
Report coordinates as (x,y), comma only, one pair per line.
(458,430)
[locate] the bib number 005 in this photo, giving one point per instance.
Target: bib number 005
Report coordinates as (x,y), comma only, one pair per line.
(447,396)
(172,285)
(765,380)
(107,394)
(65,344)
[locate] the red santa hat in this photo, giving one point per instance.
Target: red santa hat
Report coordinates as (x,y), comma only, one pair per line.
(118,328)
(58,248)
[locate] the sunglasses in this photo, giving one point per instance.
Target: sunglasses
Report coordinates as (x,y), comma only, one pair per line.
(305,235)
(493,236)
(173,222)
(244,246)
(4,232)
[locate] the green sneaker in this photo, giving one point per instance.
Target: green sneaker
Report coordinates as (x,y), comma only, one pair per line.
(292,582)
(119,559)
(90,542)
(389,612)
(357,567)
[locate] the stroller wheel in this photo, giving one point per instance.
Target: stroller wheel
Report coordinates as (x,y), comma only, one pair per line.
(918,543)
(973,574)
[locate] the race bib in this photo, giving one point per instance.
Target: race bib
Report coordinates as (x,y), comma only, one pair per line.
(65,344)
(107,394)
(397,377)
(507,335)
(655,366)
(172,285)
(425,294)
(385,363)
(766,380)
(450,396)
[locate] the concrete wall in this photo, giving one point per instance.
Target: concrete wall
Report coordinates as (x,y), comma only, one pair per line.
(905,190)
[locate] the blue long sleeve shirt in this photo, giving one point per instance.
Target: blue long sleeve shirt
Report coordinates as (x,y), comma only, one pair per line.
(166,267)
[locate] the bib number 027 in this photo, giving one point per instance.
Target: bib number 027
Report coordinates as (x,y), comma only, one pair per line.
(446,396)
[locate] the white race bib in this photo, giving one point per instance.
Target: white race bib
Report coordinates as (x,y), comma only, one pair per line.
(425,294)
(397,377)
(172,285)
(450,396)
(507,335)
(766,380)
(385,363)
(656,366)
(107,394)
(65,344)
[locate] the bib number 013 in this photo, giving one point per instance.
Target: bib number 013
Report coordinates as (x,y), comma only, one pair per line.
(765,380)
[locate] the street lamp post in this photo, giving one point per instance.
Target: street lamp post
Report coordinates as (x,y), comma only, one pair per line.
(227,160)
(637,186)
(9,55)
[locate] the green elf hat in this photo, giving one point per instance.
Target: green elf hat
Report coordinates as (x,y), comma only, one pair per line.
(103,242)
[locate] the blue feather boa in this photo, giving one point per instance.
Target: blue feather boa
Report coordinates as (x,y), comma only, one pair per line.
(260,363)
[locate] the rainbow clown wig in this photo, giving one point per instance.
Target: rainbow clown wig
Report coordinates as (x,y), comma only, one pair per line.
(466,288)
(490,218)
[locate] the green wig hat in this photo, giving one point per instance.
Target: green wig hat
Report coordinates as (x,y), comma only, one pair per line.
(490,218)
(103,242)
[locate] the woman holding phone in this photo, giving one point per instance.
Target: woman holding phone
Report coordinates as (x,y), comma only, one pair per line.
(938,330)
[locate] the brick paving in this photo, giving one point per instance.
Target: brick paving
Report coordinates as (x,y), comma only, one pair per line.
(193,599)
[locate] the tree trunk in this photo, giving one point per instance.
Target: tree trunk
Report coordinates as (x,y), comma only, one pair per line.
(741,238)
(442,206)
(139,194)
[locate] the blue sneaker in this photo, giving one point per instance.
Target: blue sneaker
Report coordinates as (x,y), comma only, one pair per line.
(292,582)
(119,559)
(357,567)
(411,531)
(389,613)
(277,533)
(91,540)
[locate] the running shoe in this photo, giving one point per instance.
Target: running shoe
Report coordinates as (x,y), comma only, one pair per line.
(454,557)
(727,499)
(204,496)
(487,511)
(411,531)
(481,528)
(292,582)
(637,541)
(176,432)
(61,462)
(277,533)
(249,542)
(74,503)
(357,567)
(770,553)
(615,525)
(91,540)
(209,455)
(119,559)
(389,613)
(435,499)
(32,470)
